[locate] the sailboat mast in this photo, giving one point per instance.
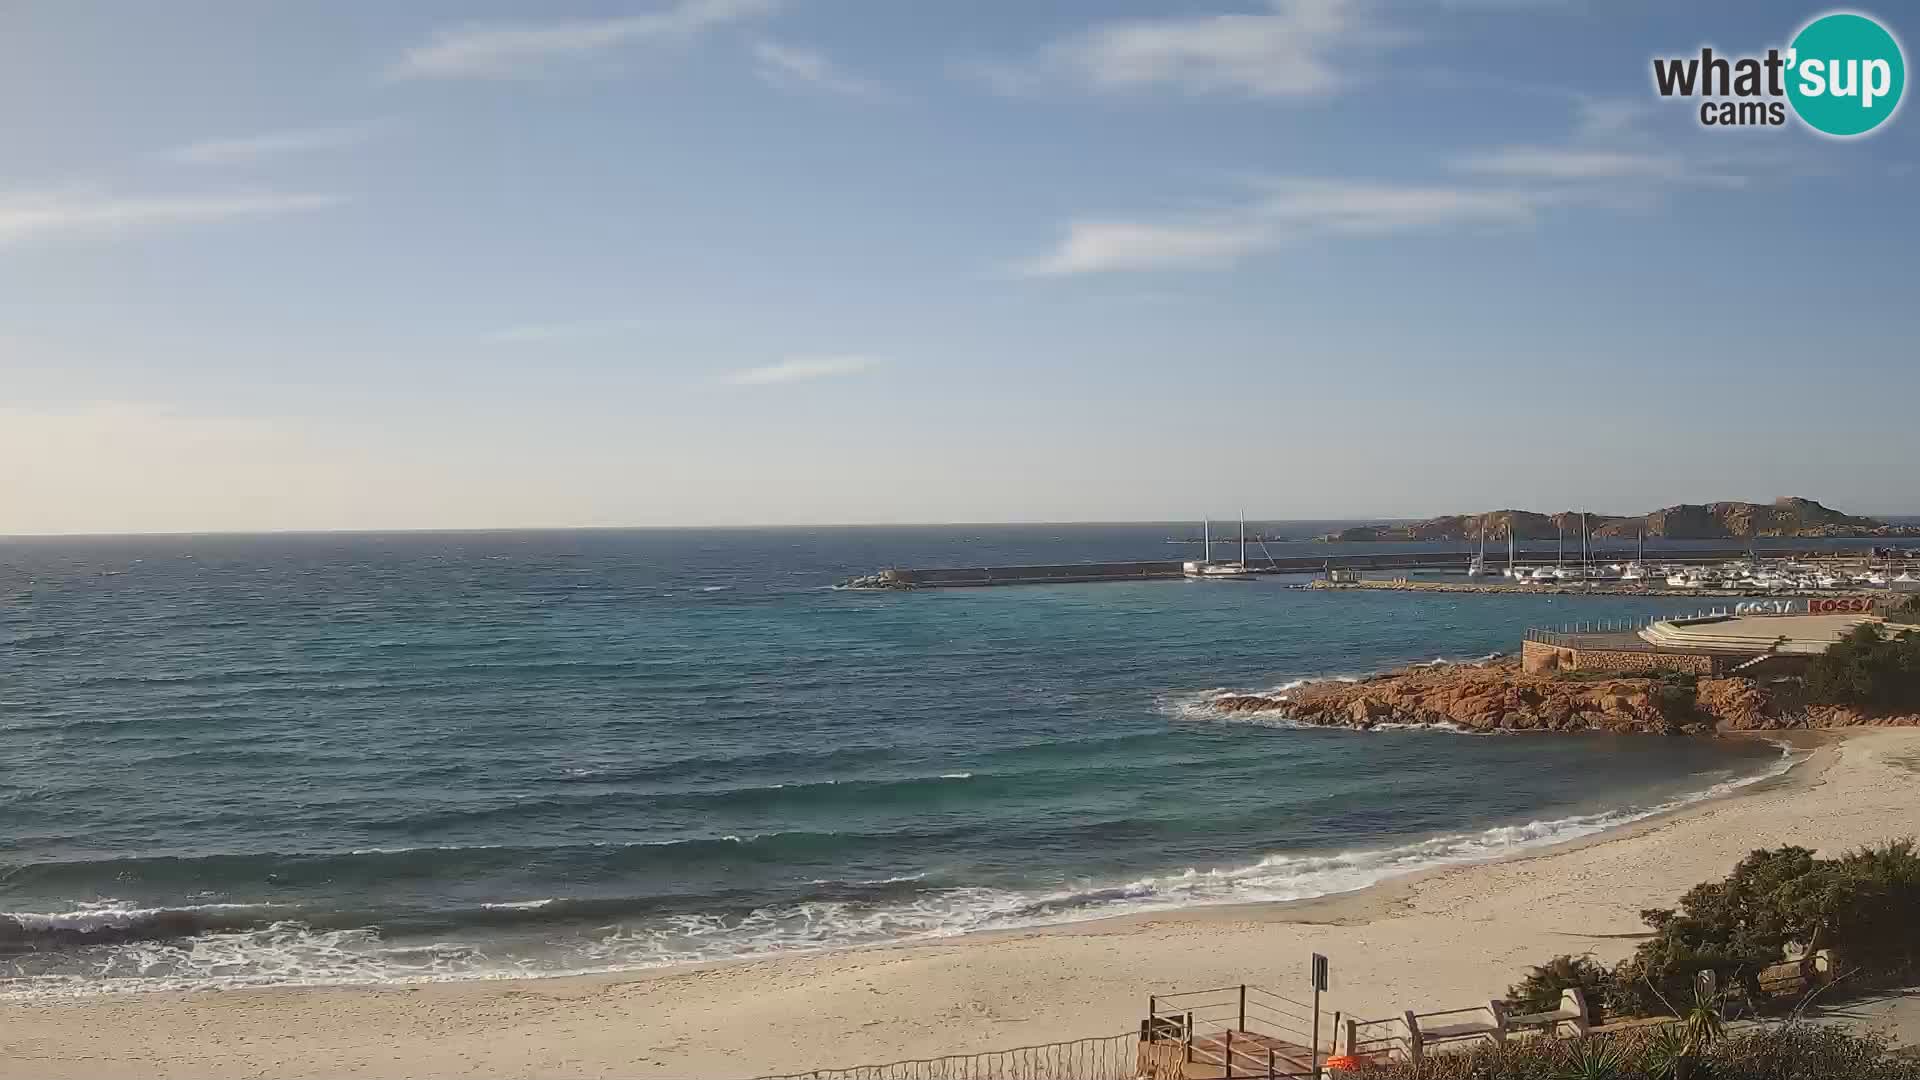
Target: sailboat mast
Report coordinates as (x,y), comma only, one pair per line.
(1560,554)
(1206,542)
(1586,557)
(1243,538)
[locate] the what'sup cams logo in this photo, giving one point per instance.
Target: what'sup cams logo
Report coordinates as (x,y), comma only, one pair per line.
(1842,76)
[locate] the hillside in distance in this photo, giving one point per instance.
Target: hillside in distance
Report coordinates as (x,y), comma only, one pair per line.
(1785,517)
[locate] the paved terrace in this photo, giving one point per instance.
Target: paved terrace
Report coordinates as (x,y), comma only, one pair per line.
(1793,634)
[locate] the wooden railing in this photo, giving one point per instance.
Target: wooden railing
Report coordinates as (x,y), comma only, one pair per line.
(1241,1031)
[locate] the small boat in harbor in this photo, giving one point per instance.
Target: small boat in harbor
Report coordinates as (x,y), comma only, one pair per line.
(1477,567)
(1637,569)
(1220,572)
(1207,570)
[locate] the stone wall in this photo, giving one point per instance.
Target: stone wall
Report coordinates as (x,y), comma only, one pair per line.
(1538,658)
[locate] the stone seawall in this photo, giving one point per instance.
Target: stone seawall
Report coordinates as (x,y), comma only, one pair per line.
(1154,569)
(1538,658)
(961,577)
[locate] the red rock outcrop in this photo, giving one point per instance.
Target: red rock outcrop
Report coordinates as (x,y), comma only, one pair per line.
(1498,696)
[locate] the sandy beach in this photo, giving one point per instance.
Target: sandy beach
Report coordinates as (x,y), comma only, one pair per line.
(1440,939)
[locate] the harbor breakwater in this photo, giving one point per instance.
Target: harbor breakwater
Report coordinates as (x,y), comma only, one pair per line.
(1158,569)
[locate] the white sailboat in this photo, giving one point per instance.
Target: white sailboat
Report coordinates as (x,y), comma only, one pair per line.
(1586,550)
(1208,570)
(1477,567)
(1637,569)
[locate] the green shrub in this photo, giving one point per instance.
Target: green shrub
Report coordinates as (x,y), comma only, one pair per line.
(1867,668)
(1735,927)
(1808,1052)
(1786,1052)
(1864,907)
(1539,990)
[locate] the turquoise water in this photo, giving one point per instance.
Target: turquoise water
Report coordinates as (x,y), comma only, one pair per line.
(361,758)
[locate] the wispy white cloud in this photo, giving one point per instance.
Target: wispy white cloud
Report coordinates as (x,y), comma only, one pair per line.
(1095,246)
(1363,206)
(1580,163)
(538,332)
(520,49)
(1612,142)
(28,215)
(1286,211)
(801,369)
(1295,48)
(1608,162)
(796,68)
(246,148)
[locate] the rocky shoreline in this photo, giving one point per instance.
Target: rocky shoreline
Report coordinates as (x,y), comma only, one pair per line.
(1496,696)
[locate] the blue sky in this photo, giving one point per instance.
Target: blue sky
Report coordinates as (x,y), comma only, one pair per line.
(270,266)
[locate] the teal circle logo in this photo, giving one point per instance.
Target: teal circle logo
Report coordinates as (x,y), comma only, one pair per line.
(1845,74)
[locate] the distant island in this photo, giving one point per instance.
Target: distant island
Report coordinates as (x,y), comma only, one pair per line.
(1787,517)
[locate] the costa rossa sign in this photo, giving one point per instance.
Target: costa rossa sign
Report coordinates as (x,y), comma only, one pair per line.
(1839,605)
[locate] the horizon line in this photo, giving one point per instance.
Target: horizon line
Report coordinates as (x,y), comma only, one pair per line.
(767,527)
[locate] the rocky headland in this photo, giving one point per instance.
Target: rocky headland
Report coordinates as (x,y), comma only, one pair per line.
(1497,696)
(1789,517)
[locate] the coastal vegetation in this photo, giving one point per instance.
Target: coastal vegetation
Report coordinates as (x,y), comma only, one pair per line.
(1777,911)
(1540,989)
(1869,669)
(1861,909)
(1788,1052)
(1786,517)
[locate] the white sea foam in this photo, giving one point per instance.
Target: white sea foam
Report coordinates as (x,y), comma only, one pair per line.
(94,916)
(292,953)
(518,905)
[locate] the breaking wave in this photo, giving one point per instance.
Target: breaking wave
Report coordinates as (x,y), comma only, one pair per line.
(107,946)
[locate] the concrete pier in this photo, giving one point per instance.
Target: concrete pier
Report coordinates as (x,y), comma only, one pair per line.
(1160,569)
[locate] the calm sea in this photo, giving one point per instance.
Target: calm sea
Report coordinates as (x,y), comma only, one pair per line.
(236,760)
